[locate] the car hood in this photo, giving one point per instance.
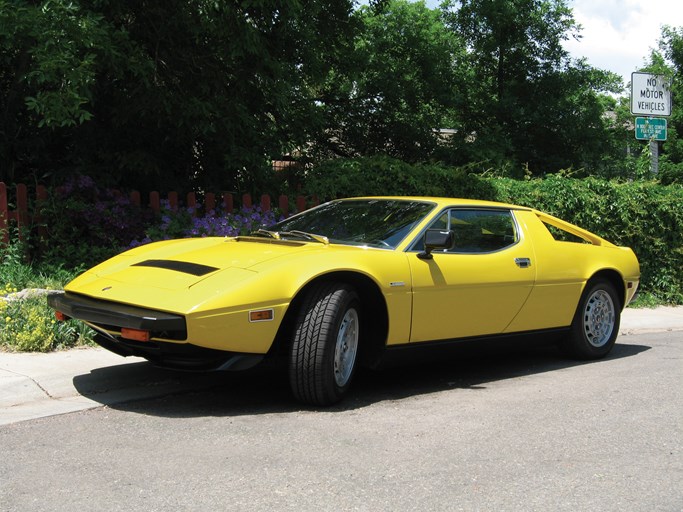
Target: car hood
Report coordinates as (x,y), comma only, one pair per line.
(208,274)
(181,264)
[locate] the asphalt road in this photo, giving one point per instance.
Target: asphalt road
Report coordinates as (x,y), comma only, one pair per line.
(520,430)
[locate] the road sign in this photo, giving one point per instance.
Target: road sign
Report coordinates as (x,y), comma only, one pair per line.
(650,128)
(650,95)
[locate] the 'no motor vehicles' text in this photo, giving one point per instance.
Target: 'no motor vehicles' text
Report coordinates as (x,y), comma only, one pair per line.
(650,95)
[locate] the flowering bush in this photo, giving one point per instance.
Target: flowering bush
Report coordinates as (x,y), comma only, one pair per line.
(86,224)
(184,223)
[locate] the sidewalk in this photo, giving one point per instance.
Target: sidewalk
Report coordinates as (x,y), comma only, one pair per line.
(663,318)
(39,385)
(36,385)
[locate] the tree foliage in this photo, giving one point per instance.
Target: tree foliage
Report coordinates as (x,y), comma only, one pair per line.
(47,70)
(398,86)
(195,95)
(526,101)
(163,92)
(671,53)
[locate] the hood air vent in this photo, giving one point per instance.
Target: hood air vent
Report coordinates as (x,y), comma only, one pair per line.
(194,269)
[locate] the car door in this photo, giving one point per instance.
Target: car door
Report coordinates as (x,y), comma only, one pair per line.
(477,286)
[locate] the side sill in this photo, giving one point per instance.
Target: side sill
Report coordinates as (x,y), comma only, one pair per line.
(472,339)
(406,353)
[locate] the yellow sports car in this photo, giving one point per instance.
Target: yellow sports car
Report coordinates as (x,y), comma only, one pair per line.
(351,280)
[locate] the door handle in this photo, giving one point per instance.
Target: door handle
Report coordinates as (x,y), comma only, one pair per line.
(523,262)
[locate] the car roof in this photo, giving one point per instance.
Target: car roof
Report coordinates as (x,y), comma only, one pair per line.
(444,201)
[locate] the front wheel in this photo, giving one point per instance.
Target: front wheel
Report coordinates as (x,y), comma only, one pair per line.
(325,344)
(595,326)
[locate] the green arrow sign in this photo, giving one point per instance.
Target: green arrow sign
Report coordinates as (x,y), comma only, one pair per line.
(650,128)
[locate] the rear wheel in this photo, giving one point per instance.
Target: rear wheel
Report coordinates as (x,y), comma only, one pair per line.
(595,326)
(325,344)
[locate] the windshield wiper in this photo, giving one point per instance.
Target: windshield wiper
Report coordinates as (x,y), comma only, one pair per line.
(277,235)
(266,233)
(308,236)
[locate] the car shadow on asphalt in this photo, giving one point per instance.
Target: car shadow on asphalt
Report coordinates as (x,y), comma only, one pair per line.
(157,392)
(474,368)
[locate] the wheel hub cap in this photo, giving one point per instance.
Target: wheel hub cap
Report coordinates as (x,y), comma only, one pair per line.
(599,318)
(346,348)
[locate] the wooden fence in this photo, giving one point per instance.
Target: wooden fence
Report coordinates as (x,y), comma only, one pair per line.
(25,210)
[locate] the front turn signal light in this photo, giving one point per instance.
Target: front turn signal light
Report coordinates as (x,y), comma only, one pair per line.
(262,315)
(135,334)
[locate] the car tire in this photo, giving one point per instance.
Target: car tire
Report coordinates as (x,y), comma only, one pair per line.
(325,344)
(595,326)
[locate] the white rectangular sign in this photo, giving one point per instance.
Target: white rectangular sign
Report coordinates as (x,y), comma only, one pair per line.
(650,95)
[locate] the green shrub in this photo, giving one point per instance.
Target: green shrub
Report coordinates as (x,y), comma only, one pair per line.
(643,215)
(382,175)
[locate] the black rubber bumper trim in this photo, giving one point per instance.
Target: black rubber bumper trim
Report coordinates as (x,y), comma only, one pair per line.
(114,313)
(180,356)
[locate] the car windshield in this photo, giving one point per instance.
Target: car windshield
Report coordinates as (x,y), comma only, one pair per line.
(373,222)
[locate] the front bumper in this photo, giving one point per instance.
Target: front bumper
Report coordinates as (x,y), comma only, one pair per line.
(115,315)
(168,332)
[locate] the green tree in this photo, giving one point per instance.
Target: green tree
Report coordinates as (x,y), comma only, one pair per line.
(163,93)
(669,60)
(47,69)
(526,102)
(397,86)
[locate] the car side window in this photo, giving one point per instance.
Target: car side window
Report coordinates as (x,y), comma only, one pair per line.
(482,230)
(476,230)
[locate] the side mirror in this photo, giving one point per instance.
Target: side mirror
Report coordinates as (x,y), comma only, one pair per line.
(436,239)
